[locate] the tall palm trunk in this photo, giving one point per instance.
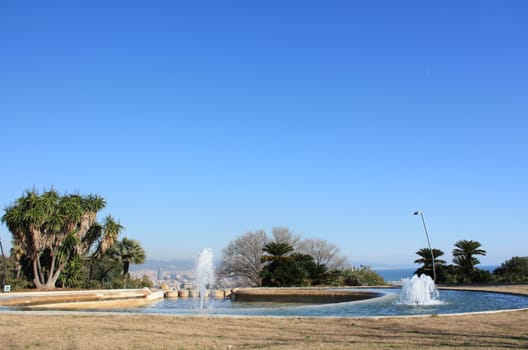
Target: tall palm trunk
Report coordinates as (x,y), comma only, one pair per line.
(37,277)
(126,267)
(46,281)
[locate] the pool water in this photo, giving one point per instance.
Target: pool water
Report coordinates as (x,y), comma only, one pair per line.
(386,305)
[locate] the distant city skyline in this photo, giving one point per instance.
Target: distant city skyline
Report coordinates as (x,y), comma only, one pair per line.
(201,121)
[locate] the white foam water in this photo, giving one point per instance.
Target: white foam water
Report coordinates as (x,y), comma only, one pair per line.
(204,273)
(419,291)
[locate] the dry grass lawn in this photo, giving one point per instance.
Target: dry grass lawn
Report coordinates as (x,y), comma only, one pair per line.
(504,330)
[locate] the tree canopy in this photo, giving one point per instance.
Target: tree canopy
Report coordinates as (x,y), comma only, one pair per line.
(323,253)
(241,260)
(54,234)
(513,270)
(427,262)
(463,270)
(464,254)
(285,260)
(128,251)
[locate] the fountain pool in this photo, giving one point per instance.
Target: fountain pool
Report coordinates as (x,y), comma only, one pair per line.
(418,296)
(387,304)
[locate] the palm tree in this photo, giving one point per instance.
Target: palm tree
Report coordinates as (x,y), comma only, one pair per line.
(17,253)
(427,262)
(99,239)
(110,230)
(464,255)
(276,251)
(129,251)
(44,227)
(314,272)
(280,270)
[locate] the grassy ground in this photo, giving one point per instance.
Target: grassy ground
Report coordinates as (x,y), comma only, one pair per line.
(504,330)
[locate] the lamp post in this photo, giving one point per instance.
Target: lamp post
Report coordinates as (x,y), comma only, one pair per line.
(428,242)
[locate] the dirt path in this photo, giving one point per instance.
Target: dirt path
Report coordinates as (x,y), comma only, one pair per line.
(503,330)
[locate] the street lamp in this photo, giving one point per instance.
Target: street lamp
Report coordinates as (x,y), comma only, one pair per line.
(428,242)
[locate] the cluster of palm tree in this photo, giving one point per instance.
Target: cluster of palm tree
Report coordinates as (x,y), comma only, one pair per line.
(58,241)
(285,267)
(464,268)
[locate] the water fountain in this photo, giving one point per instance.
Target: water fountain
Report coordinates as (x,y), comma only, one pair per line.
(204,273)
(419,291)
(418,296)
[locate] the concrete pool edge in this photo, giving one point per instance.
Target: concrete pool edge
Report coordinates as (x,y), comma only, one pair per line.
(154,295)
(301,295)
(82,299)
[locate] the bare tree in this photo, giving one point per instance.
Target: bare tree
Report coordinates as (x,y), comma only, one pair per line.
(241,260)
(323,252)
(284,235)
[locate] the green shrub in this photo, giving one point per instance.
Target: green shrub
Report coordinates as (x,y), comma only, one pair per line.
(18,284)
(513,270)
(362,276)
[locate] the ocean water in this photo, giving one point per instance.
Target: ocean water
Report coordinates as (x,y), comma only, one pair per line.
(395,275)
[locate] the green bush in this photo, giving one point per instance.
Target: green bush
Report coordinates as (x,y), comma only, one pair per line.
(362,276)
(512,270)
(143,282)
(18,284)
(283,273)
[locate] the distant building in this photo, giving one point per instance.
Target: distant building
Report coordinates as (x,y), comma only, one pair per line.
(160,274)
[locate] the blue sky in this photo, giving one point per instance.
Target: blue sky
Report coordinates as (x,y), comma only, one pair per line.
(199,121)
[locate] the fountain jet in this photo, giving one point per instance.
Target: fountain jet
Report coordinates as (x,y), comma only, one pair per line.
(419,291)
(204,273)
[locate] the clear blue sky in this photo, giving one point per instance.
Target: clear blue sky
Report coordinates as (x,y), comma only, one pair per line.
(199,121)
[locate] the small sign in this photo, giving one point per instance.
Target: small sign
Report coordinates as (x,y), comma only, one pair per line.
(7,288)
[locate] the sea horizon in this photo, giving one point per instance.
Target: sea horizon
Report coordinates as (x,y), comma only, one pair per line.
(397,274)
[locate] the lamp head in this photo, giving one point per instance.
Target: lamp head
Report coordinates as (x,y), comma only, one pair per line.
(417,213)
